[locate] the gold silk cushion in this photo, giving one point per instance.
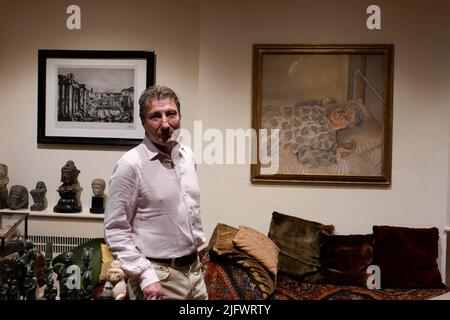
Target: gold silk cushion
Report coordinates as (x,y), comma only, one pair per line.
(222,250)
(257,246)
(107,258)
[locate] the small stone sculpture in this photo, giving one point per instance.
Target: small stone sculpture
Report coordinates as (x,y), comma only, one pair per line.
(66,291)
(70,190)
(50,291)
(4,180)
(107,293)
(116,276)
(18,197)
(98,200)
(38,195)
(86,276)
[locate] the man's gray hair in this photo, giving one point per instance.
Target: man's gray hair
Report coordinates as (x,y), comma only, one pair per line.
(156,92)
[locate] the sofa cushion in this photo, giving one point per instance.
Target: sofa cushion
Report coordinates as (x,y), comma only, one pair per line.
(407,257)
(299,243)
(345,258)
(257,246)
(107,258)
(221,243)
(221,249)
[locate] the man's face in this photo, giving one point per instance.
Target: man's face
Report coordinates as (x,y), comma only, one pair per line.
(161,120)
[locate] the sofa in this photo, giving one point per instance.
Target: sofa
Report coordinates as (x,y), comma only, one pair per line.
(306,260)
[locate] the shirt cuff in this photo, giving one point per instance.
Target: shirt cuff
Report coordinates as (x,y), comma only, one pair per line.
(148,277)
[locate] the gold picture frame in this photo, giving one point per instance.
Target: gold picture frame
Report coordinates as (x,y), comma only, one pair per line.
(332,106)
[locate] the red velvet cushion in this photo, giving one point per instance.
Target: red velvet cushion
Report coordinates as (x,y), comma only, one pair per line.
(345,258)
(407,257)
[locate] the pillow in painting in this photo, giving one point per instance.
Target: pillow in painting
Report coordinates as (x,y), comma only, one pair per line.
(345,258)
(299,244)
(257,246)
(407,257)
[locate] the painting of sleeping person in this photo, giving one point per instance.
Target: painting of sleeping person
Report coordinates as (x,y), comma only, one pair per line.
(329,110)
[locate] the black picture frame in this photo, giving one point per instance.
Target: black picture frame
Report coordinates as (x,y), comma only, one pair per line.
(90,97)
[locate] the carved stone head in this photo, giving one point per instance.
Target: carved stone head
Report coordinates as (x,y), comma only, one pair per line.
(18,197)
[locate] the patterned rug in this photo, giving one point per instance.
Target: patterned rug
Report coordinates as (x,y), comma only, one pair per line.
(229,282)
(289,289)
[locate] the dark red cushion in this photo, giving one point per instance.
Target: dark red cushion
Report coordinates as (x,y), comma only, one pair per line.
(407,257)
(345,258)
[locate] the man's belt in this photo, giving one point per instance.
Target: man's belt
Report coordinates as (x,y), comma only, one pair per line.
(179,262)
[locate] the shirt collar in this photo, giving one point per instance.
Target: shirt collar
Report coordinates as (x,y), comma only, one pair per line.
(153,151)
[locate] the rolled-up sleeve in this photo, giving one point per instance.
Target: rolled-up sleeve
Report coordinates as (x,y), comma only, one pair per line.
(119,215)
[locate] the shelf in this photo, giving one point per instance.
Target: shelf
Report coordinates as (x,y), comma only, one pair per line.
(47,214)
(80,215)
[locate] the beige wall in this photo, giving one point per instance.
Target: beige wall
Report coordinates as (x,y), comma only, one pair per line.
(204,52)
(170,28)
(419,192)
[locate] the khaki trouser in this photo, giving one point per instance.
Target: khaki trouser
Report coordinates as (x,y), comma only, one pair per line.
(179,283)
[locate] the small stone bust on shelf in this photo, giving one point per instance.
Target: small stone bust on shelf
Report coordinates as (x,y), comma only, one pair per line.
(4,180)
(18,198)
(98,200)
(70,190)
(38,195)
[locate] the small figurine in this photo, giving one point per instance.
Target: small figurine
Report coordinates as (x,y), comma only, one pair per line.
(116,276)
(98,200)
(38,194)
(4,291)
(107,293)
(30,284)
(86,276)
(18,197)
(65,292)
(4,180)
(50,292)
(70,190)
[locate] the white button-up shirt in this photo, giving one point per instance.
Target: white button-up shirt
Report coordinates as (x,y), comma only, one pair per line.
(153,209)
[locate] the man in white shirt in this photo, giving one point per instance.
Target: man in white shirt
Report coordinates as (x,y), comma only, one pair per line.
(152,224)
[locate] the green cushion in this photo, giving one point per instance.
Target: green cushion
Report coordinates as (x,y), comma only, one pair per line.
(96,262)
(299,243)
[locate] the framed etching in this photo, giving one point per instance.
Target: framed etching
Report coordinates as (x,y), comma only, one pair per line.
(326,114)
(91,97)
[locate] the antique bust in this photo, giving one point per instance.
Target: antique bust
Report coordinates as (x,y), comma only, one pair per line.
(18,197)
(4,180)
(98,200)
(38,195)
(98,187)
(70,190)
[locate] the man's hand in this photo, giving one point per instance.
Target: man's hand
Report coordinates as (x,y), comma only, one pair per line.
(153,291)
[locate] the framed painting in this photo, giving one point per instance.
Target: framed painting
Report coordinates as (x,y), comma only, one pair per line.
(91,97)
(323,113)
